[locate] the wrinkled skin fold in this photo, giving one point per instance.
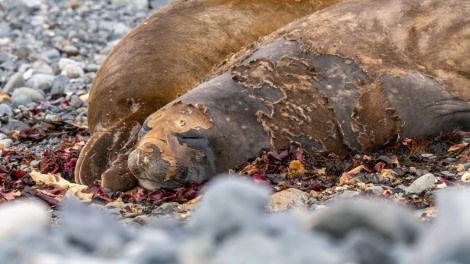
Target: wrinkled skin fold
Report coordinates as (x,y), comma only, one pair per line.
(354,77)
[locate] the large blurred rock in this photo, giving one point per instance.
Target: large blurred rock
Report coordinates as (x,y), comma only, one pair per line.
(229,204)
(448,239)
(386,220)
(20,217)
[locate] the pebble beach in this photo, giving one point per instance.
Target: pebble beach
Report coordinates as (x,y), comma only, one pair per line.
(410,209)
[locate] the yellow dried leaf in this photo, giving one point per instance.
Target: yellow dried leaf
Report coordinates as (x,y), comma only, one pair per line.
(457,147)
(356,170)
(322,171)
(76,191)
(344,179)
(388,174)
(460,167)
(43,178)
(295,167)
(50,179)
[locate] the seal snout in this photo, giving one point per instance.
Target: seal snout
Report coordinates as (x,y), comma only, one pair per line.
(148,166)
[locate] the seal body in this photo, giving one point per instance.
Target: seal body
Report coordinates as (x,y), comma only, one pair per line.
(353,77)
(163,57)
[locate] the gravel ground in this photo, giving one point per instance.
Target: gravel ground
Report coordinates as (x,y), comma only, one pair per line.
(402,205)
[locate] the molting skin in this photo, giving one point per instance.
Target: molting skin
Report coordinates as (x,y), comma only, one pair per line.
(163,57)
(354,77)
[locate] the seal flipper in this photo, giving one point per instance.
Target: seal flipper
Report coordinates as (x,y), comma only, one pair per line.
(93,159)
(107,149)
(118,177)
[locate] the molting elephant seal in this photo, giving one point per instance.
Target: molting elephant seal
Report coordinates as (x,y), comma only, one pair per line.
(352,77)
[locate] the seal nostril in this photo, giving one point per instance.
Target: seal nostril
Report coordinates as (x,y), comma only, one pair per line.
(148,166)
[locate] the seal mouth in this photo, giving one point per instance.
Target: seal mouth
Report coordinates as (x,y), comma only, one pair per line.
(151,169)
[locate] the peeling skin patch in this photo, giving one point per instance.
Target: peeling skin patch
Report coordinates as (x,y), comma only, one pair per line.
(339,84)
(165,125)
(323,84)
(377,124)
(302,112)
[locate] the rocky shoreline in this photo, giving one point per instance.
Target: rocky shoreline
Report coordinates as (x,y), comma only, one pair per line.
(404,204)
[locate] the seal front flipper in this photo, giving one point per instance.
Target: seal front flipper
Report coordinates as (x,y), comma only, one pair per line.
(107,149)
(118,177)
(93,159)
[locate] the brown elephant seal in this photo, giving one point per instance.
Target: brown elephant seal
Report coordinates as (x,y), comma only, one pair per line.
(162,58)
(353,77)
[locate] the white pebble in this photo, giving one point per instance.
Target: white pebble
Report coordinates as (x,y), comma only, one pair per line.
(421,184)
(6,142)
(466,177)
(70,68)
(20,217)
(51,118)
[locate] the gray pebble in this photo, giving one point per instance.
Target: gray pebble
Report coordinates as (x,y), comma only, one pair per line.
(51,118)
(41,66)
(420,184)
(70,68)
(4,58)
(157,4)
(140,4)
(120,30)
(34,163)
(6,142)
(9,66)
(105,26)
(377,190)
(40,81)
(287,199)
(34,4)
(166,208)
(75,101)
(466,166)
(11,4)
(347,194)
(25,95)
(13,124)
(70,49)
(91,67)
(51,53)
(15,81)
(59,84)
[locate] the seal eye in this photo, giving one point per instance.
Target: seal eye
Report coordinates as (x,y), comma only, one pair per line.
(193,139)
